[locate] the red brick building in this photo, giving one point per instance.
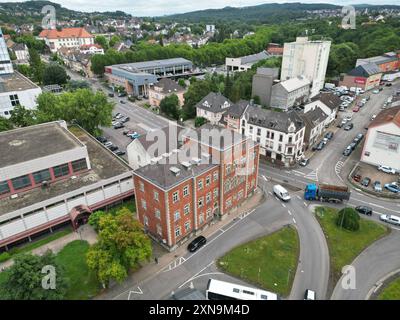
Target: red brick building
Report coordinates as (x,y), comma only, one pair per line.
(176,200)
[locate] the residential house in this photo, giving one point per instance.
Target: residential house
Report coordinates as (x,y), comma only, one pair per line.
(91,49)
(212,107)
(164,88)
(21,52)
(288,93)
(315,120)
(327,102)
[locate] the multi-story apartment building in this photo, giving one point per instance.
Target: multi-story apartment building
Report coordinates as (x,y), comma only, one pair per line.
(67,37)
(176,200)
(280,134)
(308,58)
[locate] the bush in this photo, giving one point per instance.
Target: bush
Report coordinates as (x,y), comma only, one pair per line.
(199,121)
(349,219)
(4,256)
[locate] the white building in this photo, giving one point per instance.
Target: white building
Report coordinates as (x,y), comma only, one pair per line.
(91,49)
(210,28)
(49,178)
(288,93)
(67,37)
(382,142)
(5,61)
(212,107)
(308,58)
(280,134)
(327,102)
(245,63)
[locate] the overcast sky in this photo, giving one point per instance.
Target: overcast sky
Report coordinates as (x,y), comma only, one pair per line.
(163,7)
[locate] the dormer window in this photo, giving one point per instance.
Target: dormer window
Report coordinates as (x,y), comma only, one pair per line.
(206,104)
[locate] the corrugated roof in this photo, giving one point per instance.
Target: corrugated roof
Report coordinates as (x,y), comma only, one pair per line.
(365,70)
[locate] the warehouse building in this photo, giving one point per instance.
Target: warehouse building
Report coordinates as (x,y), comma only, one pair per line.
(51,176)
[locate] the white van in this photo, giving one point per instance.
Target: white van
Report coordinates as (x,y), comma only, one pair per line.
(390,219)
(281,192)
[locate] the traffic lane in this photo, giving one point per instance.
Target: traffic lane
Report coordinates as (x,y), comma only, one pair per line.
(313,268)
(265,219)
(375,262)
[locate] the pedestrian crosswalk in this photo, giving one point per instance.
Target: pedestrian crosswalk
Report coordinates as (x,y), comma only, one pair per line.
(338,167)
(313,175)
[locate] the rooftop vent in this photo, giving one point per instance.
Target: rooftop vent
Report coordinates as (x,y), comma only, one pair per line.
(196,161)
(14,196)
(175,170)
(186,164)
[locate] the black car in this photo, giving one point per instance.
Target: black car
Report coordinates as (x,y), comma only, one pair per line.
(348,126)
(364,210)
(113,148)
(111,95)
(329,135)
(347,151)
(119,152)
(366,181)
(197,243)
(388,84)
(101,139)
(320,146)
(353,145)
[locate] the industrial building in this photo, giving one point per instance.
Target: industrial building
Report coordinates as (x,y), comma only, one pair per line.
(51,175)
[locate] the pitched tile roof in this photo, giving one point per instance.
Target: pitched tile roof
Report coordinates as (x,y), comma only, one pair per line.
(169,86)
(214,102)
(65,33)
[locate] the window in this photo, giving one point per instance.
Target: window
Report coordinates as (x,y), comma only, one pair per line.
(157,213)
(228,169)
(280,137)
(259,131)
(208,213)
(215,193)
(290,139)
(187,226)
(159,230)
(185,191)
(14,100)
(62,170)
(155,195)
(144,205)
(201,218)
(41,176)
(200,184)
(177,215)
(175,197)
(4,188)
(208,180)
(208,197)
(215,176)
(186,209)
(21,182)
(228,203)
(146,221)
(200,202)
(240,195)
(177,231)
(79,165)
(290,150)
(141,186)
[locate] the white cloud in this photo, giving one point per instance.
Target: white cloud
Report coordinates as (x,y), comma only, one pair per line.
(163,7)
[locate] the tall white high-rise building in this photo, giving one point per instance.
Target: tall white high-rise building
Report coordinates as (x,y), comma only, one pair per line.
(306,58)
(5,61)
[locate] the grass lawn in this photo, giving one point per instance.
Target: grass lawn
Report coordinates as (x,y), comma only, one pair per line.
(38,243)
(391,292)
(345,246)
(269,262)
(83,284)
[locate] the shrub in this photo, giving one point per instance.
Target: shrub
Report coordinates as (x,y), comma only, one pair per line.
(4,256)
(349,219)
(199,121)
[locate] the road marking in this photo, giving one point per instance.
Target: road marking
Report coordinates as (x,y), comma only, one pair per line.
(289,212)
(298,197)
(294,220)
(283,205)
(276,198)
(138,291)
(190,279)
(265,178)
(270,193)
(301,173)
(376,205)
(305,203)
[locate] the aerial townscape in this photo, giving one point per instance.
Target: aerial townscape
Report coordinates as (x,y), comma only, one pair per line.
(199,152)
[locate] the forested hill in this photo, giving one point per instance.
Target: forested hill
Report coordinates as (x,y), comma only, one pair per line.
(265,13)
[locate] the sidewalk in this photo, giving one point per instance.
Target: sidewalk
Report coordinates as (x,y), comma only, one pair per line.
(86,232)
(150,269)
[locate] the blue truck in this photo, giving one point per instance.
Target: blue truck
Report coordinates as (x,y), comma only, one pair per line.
(325,192)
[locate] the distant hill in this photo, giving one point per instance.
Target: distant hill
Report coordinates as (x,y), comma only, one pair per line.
(30,12)
(264,13)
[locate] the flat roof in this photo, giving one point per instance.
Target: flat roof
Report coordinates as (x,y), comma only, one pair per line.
(151,64)
(15,82)
(104,165)
(29,143)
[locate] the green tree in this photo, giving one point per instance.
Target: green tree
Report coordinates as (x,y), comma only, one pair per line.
(5,124)
(169,105)
(182,83)
(24,279)
(94,219)
(199,121)
(73,85)
(114,40)
(22,117)
(197,91)
(102,41)
(54,74)
(349,219)
(121,246)
(25,69)
(36,65)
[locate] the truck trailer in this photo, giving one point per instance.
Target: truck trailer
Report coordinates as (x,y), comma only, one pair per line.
(325,192)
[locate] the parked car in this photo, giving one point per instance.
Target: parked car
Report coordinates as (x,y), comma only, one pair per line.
(373,117)
(122,101)
(356,109)
(329,135)
(387,169)
(367,98)
(364,210)
(347,151)
(113,148)
(375,91)
(320,145)
(377,186)
(134,135)
(281,192)
(358,138)
(108,144)
(122,94)
(348,127)
(197,243)
(388,84)
(101,139)
(111,95)
(353,145)
(119,125)
(357,177)
(124,119)
(366,181)
(119,152)
(304,162)
(390,219)
(392,187)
